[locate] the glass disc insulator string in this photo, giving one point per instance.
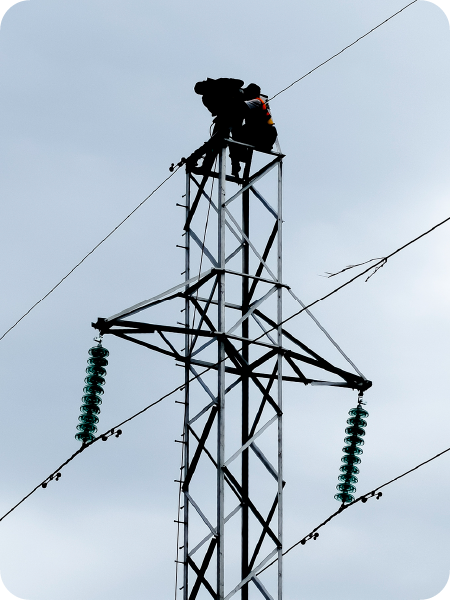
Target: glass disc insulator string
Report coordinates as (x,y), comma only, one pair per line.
(354,440)
(93,390)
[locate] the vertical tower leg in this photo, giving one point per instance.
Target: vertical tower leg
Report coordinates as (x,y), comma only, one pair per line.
(280,382)
(221,381)
(187,275)
(245,386)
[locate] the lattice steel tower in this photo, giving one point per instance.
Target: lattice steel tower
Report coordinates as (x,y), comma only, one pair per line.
(239,354)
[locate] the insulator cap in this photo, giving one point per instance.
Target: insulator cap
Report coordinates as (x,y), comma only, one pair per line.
(351,460)
(85,437)
(98,351)
(86,418)
(96,370)
(347,488)
(87,427)
(357,421)
(353,430)
(352,450)
(96,380)
(354,440)
(90,409)
(358,412)
(93,389)
(349,469)
(345,478)
(344,498)
(98,361)
(91,399)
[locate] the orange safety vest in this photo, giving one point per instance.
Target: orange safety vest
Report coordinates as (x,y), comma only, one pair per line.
(268,115)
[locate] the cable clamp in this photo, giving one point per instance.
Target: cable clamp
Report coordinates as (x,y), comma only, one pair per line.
(174,166)
(56,477)
(110,433)
(371,495)
(311,536)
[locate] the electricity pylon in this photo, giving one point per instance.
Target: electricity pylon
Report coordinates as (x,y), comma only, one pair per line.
(236,356)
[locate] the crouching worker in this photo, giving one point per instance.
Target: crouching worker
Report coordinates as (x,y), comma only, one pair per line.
(258,130)
(224,99)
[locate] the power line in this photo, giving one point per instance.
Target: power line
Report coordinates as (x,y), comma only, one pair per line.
(178,166)
(104,436)
(381,262)
(89,254)
(375,267)
(56,474)
(374,493)
(180,387)
(312,535)
(343,50)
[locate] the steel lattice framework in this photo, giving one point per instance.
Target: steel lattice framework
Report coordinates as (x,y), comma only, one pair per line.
(239,354)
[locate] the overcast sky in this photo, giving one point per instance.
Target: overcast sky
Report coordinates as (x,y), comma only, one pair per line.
(96,102)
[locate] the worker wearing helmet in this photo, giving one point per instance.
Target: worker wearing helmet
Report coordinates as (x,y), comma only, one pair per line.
(259,129)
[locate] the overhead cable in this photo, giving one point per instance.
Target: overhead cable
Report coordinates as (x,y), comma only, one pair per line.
(89,253)
(381,262)
(364,498)
(343,50)
(56,474)
(175,168)
(312,535)
(180,387)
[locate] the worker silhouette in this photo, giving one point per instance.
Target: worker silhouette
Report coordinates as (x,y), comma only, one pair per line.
(258,130)
(231,105)
(224,99)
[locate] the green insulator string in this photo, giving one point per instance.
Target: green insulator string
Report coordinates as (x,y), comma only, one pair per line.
(355,432)
(93,389)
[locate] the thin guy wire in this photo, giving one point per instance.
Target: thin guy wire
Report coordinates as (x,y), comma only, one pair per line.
(343,507)
(180,387)
(343,50)
(88,254)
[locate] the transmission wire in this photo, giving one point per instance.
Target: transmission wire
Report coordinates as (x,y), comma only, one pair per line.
(193,378)
(341,51)
(179,166)
(375,266)
(343,507)
(89,253)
